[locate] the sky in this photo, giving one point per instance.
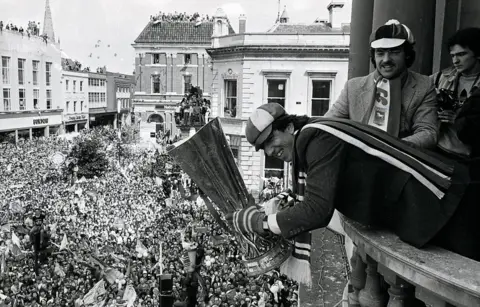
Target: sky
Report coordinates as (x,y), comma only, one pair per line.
(80,24)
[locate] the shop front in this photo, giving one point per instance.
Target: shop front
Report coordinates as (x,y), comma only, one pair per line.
(28,125)
(76,123)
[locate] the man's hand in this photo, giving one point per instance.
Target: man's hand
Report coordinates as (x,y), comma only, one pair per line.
(447,116)
(247,221)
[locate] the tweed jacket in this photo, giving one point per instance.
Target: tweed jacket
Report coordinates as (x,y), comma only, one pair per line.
(418,121)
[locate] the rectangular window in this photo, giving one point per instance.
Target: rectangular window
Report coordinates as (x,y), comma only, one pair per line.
(74,86)
(103,97)
(187,83)
(21,99)
(49,99)
(230,109)
(36,95)
(276,91)
(6,99)
(74,106)
(35,66)
(6,70)
(156,84)
(81,86)
(67,107)
(21,71)
(48,73)
(66,85)
(156,58)
(320,97)
(187,59)
(81,105)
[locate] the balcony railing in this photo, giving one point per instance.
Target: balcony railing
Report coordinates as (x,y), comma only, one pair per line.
(389,272)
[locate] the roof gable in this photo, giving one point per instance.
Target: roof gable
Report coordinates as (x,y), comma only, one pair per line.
(177,33)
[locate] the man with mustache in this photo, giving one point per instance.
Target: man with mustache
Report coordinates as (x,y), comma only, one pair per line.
(392,98)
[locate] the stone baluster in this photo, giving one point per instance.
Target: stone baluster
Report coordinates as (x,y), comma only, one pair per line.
(372,295)
(400,291)
(357,279)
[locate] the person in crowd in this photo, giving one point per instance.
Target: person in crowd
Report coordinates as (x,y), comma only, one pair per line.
(340,164)
(392,98)
(187,112)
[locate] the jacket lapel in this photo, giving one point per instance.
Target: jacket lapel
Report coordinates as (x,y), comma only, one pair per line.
(408,92)
(366,98)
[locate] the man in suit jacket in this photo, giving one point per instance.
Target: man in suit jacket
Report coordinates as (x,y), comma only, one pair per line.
(392,98)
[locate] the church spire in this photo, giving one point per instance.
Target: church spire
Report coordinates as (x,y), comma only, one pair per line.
(48,23)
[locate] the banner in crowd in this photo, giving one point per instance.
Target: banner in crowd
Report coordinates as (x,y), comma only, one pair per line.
(95,294)
(130,295)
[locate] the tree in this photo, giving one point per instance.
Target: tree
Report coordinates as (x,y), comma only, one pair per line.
(90,157)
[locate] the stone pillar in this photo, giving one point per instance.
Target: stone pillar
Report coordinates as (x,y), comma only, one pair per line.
(372,295)
(47,131)
(30,133)
(76,127)
(419,16)
(360,31)
(470,10)
(115,119)
(357,279)
(447,13)
(16,136)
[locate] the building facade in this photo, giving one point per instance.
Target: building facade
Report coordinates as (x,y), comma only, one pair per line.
(75,98)
(30,86)
(302,67)
(170,58)
(100,115)
(120,89)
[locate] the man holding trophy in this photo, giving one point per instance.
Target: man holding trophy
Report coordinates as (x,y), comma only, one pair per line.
(363,172)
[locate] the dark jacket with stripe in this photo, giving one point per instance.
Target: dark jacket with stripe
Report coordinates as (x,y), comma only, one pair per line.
(366,189)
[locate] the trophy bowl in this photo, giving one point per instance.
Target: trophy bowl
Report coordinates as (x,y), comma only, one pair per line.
(207,158)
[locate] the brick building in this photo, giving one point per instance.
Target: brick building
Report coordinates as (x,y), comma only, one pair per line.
(170,58)
(74,85)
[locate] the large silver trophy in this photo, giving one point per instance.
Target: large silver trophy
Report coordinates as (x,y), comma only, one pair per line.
(206,157)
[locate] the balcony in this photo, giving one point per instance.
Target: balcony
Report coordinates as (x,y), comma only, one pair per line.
(389,272)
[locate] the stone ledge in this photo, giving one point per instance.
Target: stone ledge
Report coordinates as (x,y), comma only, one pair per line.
(449,276)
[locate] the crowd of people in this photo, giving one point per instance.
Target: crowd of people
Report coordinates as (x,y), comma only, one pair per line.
(192,110)
(33,29)
(180,17)
(105,241)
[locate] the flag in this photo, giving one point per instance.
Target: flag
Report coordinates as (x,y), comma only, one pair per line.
(64,243)
(92,296)
(112,274)
(16,207)
(5,228)
(58,270)
(130,295)
(141,249)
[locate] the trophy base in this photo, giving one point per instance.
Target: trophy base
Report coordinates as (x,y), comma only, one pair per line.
(270,260)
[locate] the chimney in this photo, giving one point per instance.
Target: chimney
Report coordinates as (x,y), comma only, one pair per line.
(335,12)
(242,23)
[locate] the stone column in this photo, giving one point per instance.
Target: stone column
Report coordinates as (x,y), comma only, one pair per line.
(115,118)
(419,16)
(16,136)
(360,31)
(447,14)
(76,127)
(47,132)
(30,133)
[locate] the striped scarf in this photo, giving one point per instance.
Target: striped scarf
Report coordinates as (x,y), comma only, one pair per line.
(433,173)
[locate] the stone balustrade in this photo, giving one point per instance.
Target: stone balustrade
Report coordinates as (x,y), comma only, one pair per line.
(389,272)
